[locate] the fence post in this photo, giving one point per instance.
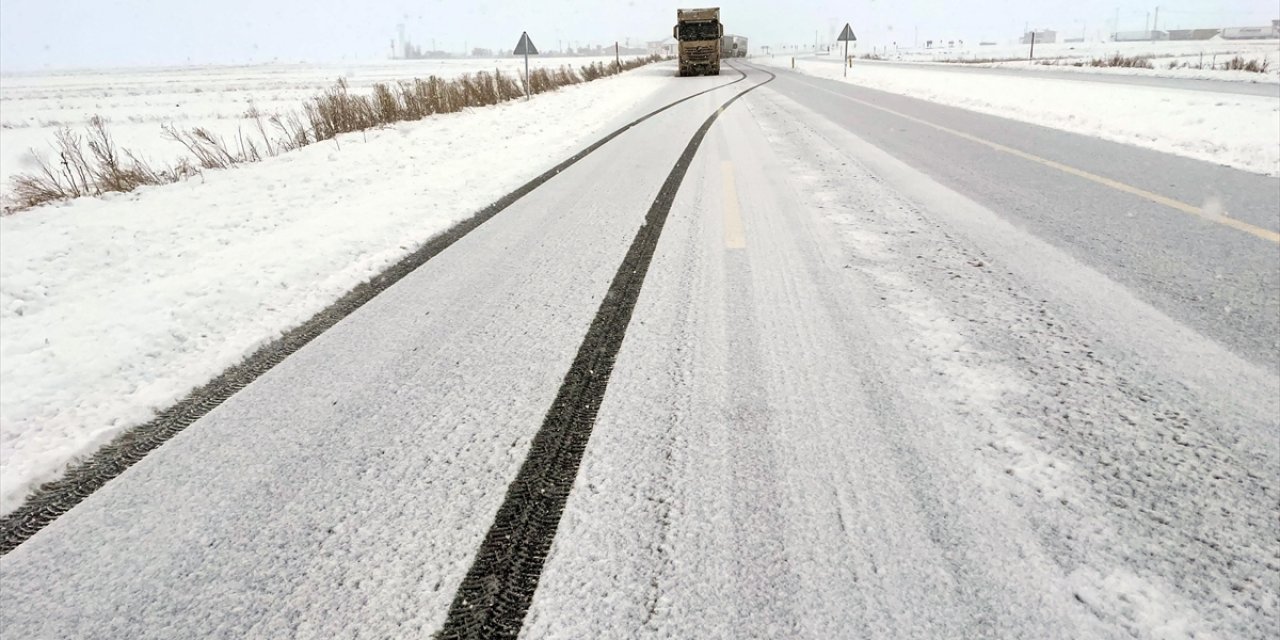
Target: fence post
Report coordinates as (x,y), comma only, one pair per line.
(1033,46)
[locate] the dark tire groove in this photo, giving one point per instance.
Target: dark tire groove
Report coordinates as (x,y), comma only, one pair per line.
(496,593)
(55,498)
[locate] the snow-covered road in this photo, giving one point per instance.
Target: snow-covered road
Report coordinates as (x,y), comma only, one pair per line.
(895,372)
(115,308)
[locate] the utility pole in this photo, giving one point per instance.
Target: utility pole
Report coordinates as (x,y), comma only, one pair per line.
(1155,23)
(1115,26)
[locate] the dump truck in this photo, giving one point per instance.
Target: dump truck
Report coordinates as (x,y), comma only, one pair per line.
(698,32)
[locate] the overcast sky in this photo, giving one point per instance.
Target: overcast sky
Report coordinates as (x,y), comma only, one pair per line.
(36,34)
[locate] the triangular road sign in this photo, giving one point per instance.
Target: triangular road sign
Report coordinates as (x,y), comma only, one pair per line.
(526,48)
(847,34)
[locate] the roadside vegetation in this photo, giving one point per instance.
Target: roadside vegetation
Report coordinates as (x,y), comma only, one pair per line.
(1240,64)
(90,163)
(963,60)
(1236,63)
(1116,60)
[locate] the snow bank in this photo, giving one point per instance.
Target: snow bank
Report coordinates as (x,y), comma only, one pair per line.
(1200,53)
(1234,130)
(117,306)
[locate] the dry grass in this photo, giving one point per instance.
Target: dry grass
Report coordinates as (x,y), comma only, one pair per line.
(1144,62)
(91,164)
(983,60)
(1235,64)
(1240,64)
(1117,60)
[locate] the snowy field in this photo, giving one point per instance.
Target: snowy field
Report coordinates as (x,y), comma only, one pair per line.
(1235,130)
(115,306)
(1197,53)
(137,102)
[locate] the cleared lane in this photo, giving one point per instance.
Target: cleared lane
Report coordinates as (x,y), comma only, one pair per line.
(1269,89)
(345,491)
(1222,281)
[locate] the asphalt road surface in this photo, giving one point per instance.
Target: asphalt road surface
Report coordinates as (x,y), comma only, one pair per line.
(1269,89)
(896,370)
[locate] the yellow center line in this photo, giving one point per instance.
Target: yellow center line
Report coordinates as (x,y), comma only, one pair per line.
(1265,234)
(734,235)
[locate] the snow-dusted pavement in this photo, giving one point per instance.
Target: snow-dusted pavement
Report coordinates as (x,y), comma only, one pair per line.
(1235,126)
(882,381)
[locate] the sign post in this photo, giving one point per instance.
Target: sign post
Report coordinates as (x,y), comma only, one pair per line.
(846,37)
(525,47)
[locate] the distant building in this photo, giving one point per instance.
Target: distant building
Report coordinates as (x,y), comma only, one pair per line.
(1193,34)
(665,47)
(1140,36)
(1046,36)
(1252,33)
(1230,33)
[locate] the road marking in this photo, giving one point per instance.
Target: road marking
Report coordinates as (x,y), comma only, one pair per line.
(734,235)
(1265,234)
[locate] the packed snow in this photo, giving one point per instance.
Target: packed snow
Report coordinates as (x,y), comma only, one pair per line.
(137,102)
(1234,130)
(1204,59)
(116,306)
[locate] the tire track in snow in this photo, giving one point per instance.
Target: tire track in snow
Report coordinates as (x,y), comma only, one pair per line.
(496,593)
(59,496)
